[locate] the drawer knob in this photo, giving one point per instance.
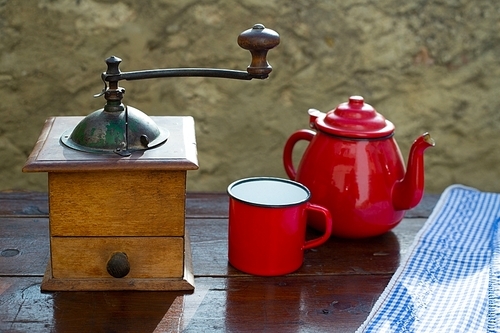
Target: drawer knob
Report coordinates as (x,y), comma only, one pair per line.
(118,265)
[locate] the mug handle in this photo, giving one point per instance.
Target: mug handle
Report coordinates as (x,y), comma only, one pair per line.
(307,135)
(328,227)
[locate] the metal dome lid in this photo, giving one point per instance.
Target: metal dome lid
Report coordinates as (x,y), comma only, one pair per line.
(120,132)
(355,119)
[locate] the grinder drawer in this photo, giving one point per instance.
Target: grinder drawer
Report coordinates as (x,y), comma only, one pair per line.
(88,257)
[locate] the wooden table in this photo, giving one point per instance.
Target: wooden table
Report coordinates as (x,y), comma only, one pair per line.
(333,291)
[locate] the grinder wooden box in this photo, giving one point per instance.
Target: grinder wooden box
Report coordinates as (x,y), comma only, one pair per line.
(102,204)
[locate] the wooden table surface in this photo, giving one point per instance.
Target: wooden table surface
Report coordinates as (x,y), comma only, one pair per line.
(332,292)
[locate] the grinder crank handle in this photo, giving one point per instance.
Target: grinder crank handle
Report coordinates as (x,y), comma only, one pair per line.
(258,40)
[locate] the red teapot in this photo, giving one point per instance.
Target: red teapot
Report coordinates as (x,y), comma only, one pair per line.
(353,166)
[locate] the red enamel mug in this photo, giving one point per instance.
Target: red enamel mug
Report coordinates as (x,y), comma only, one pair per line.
(267,225)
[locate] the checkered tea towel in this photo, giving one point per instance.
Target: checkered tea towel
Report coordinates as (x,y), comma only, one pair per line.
(450,278)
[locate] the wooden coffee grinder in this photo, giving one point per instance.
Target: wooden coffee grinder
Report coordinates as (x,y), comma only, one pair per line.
(117,185)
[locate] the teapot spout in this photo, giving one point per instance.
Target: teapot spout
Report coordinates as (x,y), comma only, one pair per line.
(408,192)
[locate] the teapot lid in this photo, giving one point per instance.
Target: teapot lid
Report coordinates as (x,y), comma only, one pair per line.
(355,119)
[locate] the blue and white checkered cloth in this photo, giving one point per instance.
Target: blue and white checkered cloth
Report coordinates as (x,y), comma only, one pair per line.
(450,278)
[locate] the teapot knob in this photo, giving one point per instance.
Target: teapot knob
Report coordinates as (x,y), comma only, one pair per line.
(259,40)
(356,101)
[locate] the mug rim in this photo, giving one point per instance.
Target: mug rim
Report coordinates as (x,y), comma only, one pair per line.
(277,179)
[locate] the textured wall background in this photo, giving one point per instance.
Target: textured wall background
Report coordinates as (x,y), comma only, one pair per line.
(426,65)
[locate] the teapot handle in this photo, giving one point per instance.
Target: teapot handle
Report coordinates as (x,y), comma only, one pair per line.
(304,134)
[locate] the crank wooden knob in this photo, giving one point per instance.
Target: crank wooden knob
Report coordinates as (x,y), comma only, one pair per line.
(118,265)
(259,40)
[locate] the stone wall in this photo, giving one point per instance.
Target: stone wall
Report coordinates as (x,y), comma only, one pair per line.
(426,65)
